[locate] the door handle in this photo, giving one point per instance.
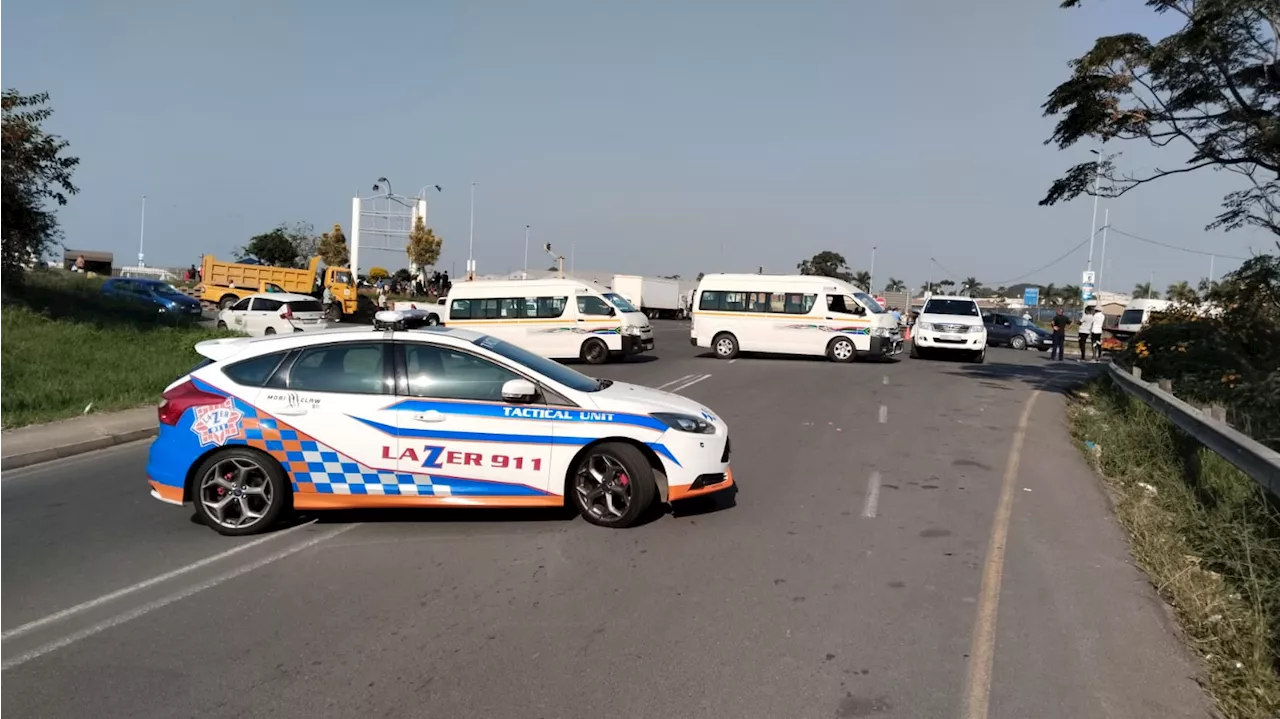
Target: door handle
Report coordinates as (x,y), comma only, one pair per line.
(430,416)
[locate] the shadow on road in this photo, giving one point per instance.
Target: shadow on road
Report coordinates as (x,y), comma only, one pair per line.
(1041,373)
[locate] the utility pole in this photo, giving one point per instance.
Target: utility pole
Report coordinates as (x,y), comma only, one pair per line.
(1102,263)
(1093,224)
(526,252)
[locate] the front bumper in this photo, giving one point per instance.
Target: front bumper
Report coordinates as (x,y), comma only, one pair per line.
(948,341)
(634,345)
(885,346)
(703,485)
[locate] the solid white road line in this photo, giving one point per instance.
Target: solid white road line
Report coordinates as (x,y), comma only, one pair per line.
(873,496)
(690,383)
(884,414)
(11,662)
(886,379)
(674,381)
(85,606)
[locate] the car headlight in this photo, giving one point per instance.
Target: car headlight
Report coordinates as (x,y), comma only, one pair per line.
(685,422)
(924,326)
(631,330)
(879,331)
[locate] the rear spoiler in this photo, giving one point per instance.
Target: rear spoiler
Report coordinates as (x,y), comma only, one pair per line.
(220,349)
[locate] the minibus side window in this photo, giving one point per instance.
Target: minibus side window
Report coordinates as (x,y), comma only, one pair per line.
(593,306)
(798,304)
(487,309)
(735,301)
(711,300)
(544,307)
(509,309)
(460,310)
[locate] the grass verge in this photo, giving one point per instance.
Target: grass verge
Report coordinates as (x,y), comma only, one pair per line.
(1204,532)
(66,348)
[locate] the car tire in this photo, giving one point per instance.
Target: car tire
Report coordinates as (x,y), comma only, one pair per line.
(432,320)
(725,345)
(222,325)
(625,469)
(269,331)
(594,351)
(246,468)
(916,351)
(841,349)
(980,356)
(227,302)
(1018,342)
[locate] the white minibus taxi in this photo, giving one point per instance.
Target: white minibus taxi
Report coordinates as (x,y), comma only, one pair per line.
(558,319)
(1136,315)
(791,314)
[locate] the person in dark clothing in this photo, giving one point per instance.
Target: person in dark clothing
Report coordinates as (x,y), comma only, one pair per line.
(1059,324)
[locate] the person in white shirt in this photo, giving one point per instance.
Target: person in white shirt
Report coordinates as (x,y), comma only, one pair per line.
(1095,332)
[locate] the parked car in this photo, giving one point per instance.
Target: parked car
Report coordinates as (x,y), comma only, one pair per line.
(270,313)
(164,297)
(1016,332)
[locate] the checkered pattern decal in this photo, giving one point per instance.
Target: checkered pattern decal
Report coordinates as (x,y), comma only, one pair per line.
(318,468)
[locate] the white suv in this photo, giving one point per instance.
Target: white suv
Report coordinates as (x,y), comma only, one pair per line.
(952,324)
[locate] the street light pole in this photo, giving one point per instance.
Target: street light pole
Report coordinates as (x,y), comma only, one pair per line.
(471,237)
(526,252)
(1093,224)
(872,281)
(1102,262)
(142,232)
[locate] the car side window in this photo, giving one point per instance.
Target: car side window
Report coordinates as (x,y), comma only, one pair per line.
(255,371)
(593,306)
(262,304)
(241,306)
(349,368)
(444,373)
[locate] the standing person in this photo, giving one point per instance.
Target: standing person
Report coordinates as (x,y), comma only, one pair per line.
(326,302)
(1086,323)
(1095,333)
(1059,324)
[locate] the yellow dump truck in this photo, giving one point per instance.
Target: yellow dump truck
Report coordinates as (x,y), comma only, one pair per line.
(225,283)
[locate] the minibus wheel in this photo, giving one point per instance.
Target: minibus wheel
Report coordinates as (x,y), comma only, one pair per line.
(725,346)
(594,351)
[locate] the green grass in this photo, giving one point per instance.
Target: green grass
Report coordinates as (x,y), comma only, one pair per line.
(66,348)
(1206,534)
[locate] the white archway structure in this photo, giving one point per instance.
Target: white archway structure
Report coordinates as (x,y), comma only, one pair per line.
(383,222)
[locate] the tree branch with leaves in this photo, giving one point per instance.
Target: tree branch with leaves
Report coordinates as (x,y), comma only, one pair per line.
(424,246)
(1211,87)
(37,173)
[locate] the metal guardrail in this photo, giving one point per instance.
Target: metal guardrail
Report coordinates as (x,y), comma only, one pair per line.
(1248,455)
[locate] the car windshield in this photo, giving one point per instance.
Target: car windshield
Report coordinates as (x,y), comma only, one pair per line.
(1020,322)
(541,365)
(1131,317)
(870,303)
(342,278)
(620,302)
(964,308)
(166,289)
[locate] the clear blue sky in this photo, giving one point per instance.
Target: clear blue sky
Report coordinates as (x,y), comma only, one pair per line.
(657,137)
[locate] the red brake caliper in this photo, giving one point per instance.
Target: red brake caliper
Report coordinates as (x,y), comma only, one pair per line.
(623,479)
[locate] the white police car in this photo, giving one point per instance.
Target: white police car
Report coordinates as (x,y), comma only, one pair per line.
(430,417)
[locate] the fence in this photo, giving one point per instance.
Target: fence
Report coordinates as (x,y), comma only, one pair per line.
(1208,426)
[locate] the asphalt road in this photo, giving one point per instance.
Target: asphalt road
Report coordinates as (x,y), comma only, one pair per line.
(909,539)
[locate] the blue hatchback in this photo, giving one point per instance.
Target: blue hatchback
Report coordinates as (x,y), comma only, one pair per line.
(163,296)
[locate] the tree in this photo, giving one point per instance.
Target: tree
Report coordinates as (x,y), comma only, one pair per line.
(273,248)
(826,264)
(1070,295)
(1144,290)
(1002,292)
(424,246)
(895,285)
(946,285)
(1182,292)
(670,277)
(378,273)
(1212,87)
(402,275)
(1049,295)
(36,172)
(862,279)
(333,249)
(971,286)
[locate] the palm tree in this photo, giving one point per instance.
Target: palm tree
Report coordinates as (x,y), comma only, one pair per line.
(1070,295)
(1049,294)
(1144,290)
(895,285)
(946,285)
(862,279)
(1182,292)
(971,286)
(1002,291)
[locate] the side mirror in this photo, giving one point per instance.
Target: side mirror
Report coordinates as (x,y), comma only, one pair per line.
(613,311)
(859,310)
(519,390)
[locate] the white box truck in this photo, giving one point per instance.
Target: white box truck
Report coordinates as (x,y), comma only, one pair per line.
(657,298)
